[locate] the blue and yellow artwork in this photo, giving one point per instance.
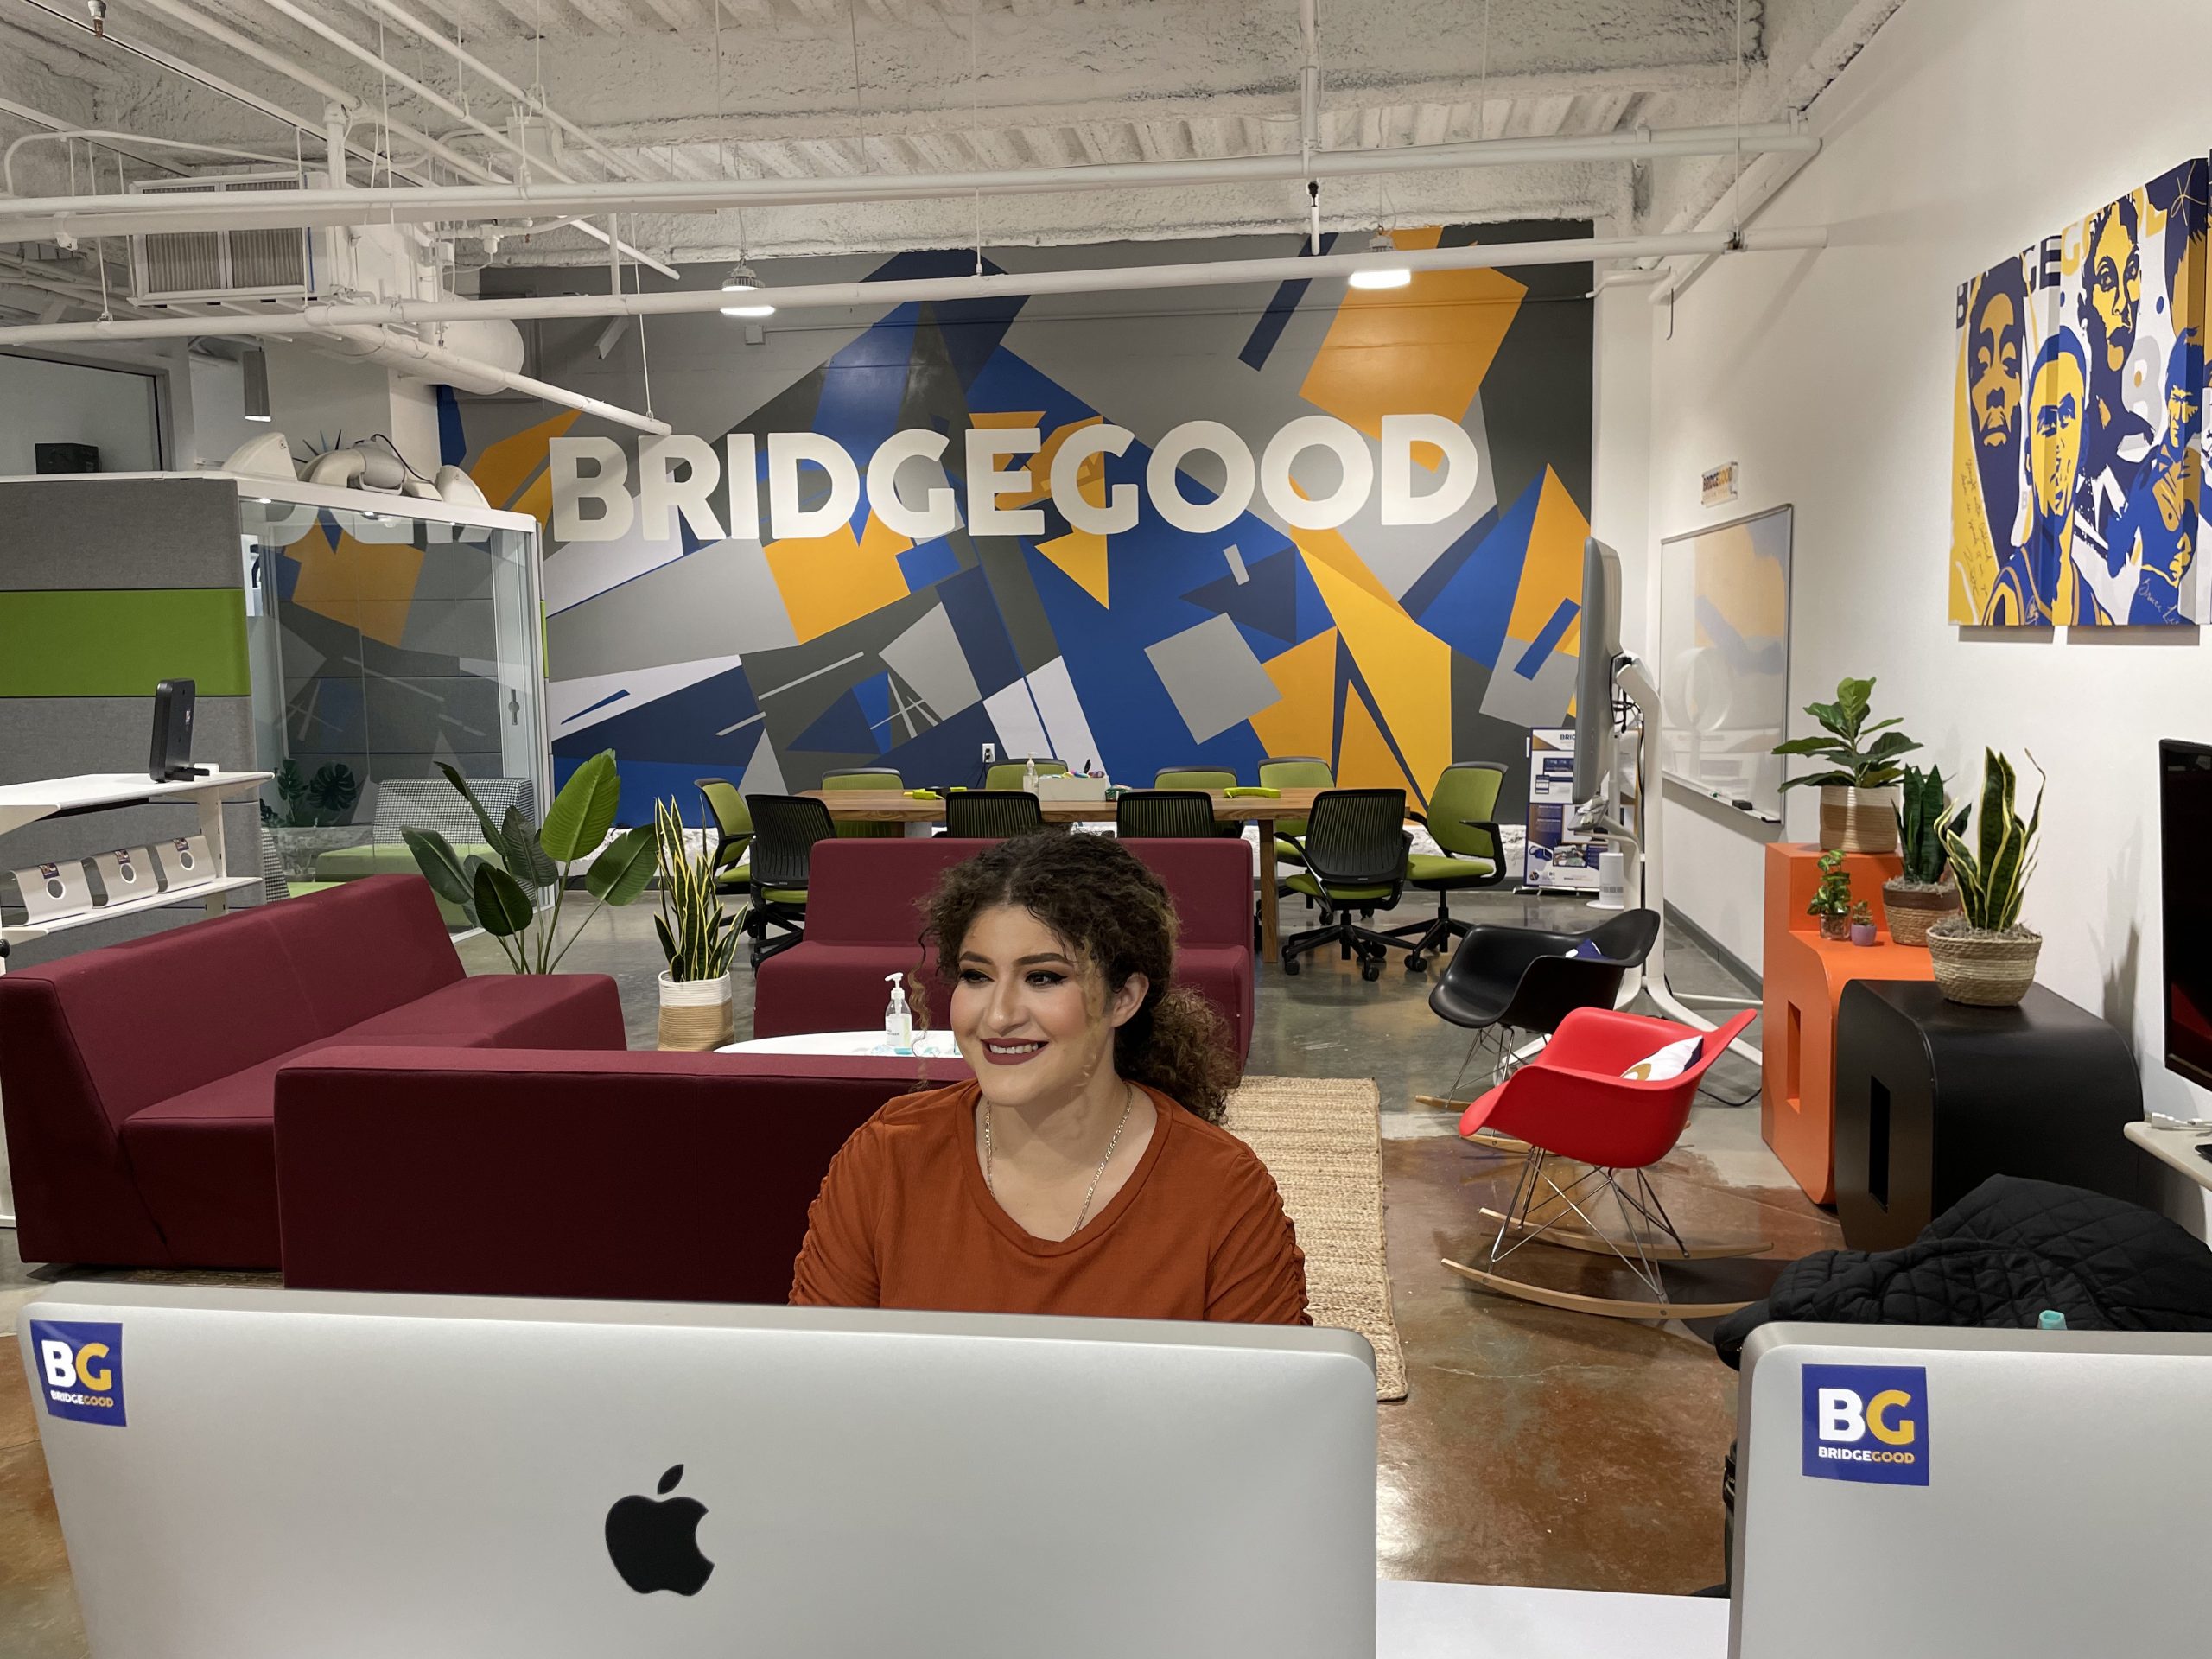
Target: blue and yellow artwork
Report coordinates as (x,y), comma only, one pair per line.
(1297,557)
(2078,460)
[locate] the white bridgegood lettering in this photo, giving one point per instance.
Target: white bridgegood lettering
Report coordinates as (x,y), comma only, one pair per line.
(742,470)
(1200,518)
(1842,1418)
(786,450)
(1462,468)
(572,488)
(1354,460)
(60,1365)
(940,513)
(1120,513)
(658,489)
(986,482)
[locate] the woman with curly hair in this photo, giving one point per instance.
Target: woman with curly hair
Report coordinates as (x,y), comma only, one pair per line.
(1083,1170)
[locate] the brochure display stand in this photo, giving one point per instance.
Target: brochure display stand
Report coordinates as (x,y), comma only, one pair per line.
(58,897)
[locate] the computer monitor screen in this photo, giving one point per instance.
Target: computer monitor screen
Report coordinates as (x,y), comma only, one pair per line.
(1594,680)
(2184,832)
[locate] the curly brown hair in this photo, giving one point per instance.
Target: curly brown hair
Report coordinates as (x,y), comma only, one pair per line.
(1104,901)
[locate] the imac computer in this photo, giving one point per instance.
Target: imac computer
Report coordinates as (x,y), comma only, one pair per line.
(2185,905)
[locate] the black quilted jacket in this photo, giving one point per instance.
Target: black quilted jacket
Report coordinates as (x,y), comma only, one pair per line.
(1999,1257)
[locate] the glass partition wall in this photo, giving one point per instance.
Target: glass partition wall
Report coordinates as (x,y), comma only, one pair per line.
(383,642)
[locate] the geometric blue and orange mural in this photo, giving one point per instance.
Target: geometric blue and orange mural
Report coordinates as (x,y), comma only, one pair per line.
(1392,650)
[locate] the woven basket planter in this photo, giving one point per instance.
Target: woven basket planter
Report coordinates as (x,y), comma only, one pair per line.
(696,1015)
(1988,969)
(1914,907)
(1857,820)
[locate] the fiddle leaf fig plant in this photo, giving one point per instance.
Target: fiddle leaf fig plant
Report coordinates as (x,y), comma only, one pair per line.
(1994,872)
(502,897)
(1861,756)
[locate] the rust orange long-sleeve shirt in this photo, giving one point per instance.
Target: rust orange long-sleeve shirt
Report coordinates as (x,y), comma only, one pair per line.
(904,1220)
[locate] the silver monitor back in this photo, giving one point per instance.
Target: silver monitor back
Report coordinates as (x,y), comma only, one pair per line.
(1593,672)
(288,1472)
(2038,1495)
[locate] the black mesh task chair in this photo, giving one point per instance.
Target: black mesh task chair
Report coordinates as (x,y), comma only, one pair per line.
(785,829)
(732,823)
(992,814)
(1355,863)
(1201,778)
(1154,814)
(1508,983)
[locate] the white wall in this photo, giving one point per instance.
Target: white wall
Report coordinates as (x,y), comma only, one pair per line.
(66,402)
(1965,131)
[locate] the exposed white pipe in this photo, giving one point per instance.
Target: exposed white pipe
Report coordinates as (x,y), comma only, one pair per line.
(45,219)
(1755,192)
(407,20)
(199,77)
(883,296)
(428,94)
(7,157)
(452,365)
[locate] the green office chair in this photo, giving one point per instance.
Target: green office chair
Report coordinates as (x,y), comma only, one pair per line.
(1462,816)
(1011,774)
(1201,778)
(732,821)
(786,827)
(1164,813)
(1294,771)
(866,777)
(992,814)
(1355,846)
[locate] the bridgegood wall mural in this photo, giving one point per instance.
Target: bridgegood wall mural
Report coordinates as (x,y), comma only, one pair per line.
(2076,463)
(1140,531)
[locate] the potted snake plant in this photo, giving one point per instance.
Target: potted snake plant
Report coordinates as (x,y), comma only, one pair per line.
(1982,955)
(1924,893)
(1858,799)
(699,938)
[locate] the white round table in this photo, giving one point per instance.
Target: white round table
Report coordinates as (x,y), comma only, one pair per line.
(929,1044)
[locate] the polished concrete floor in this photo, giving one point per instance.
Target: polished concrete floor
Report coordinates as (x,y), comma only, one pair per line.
(1535,1446)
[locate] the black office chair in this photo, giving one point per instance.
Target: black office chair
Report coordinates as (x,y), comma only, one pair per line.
(1157,814)
(785,829)
(1356,845)
(1506,984)
(992,814)
(1202,777)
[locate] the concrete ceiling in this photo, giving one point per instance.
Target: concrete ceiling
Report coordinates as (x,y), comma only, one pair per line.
(807,88)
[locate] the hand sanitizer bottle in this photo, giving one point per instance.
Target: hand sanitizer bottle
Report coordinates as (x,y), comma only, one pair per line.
(898,1019)
(1029,775)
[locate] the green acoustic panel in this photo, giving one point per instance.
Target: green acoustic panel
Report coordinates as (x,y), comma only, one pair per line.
(121,642)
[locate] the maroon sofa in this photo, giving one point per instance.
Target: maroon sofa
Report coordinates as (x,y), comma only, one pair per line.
(140,1080)
(520,1173)
(863,916)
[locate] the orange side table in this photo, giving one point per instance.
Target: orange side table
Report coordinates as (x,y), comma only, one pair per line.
(1804,976)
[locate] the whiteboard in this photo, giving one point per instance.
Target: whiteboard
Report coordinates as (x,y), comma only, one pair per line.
(1724,659)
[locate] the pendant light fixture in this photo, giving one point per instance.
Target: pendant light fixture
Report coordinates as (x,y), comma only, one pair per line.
(739,284)
(1384,276)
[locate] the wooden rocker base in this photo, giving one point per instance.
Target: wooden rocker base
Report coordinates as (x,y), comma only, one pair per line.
(1609,1307)
(1575,1238)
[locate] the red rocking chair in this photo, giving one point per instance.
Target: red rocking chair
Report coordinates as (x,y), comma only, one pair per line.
(1572,1103)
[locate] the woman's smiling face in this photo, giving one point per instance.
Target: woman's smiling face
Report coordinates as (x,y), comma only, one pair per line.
(1033,1018)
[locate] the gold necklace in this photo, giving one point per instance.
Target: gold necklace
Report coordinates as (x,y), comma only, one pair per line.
(1083,1214)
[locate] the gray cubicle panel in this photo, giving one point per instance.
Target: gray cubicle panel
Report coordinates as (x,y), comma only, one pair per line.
(90,534)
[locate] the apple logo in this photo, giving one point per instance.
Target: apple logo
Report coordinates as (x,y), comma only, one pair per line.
(653,1543)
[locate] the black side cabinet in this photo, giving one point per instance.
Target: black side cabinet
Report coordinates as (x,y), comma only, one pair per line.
(1932,1097)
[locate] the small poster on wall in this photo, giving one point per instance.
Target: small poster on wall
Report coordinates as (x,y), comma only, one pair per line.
(1561,859)
(2076,476)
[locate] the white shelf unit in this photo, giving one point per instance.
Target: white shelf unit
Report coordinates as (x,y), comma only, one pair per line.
(101,791)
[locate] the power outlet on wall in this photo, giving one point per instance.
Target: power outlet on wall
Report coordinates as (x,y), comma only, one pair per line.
(990,753)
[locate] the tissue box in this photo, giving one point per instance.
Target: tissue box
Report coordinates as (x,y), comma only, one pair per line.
(1062,786)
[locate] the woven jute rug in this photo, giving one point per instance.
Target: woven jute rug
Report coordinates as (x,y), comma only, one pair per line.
(1321,1138)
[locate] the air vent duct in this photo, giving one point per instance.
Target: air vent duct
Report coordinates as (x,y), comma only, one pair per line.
(183,267)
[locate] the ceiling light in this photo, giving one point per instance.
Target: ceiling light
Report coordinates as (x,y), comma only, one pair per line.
(1385,276)
(255,362)
(741,280)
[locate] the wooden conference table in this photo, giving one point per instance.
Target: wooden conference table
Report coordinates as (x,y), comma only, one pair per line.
(896,806)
